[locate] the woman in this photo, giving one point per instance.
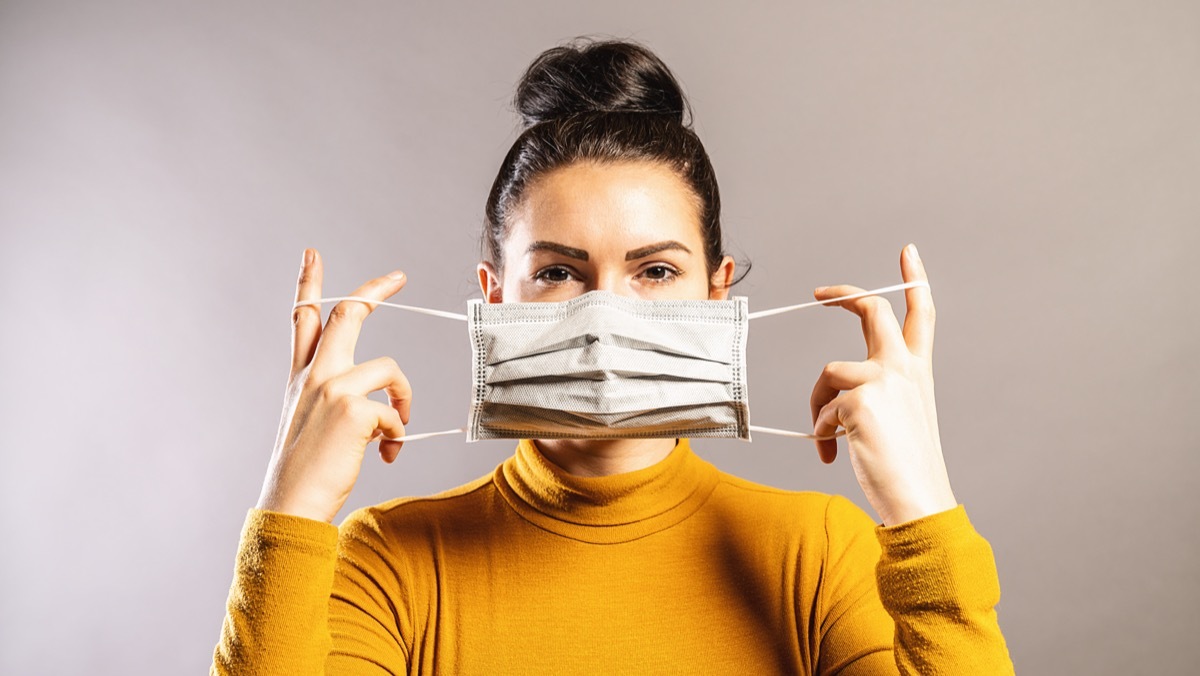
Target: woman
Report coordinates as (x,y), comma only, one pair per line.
(610,555)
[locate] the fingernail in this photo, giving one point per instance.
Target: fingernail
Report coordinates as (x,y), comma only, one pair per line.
(819,289)
(397,275)
(306,258)
(912,249)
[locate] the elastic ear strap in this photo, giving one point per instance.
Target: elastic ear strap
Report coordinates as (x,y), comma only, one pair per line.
(789,308)
(753,315)
(873,292)
(423,435)
(425,311)
(751,428)
(436,313)
(800,435)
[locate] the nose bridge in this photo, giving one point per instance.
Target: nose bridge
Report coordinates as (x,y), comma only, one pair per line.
(611,278)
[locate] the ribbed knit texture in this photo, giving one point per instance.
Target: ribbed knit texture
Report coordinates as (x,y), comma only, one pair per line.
(676,568)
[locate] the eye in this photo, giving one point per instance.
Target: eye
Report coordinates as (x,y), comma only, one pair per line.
(555,274)
(661,274)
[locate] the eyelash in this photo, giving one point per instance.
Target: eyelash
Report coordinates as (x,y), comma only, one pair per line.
(673,272)
(540,275)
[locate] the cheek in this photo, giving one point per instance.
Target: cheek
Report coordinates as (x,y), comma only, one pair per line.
(698,286)
(511,287)
(518,287)
(693,285)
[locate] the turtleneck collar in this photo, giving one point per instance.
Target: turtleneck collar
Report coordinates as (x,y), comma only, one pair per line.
(609,509)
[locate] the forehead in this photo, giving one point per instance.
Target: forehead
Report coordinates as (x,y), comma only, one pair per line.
(607,205)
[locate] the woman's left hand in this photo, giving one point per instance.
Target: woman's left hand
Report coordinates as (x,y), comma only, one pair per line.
(886,403)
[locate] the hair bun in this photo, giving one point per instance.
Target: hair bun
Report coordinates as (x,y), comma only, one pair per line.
(598,76)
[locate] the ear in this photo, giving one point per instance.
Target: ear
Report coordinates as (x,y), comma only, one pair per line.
(489,282)
(721,280)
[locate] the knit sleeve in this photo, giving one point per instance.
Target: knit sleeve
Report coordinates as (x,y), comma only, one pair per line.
(277,609)
(937,579)
(299,604)
(916,598)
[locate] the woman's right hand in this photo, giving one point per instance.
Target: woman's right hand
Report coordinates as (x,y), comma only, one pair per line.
(327,418)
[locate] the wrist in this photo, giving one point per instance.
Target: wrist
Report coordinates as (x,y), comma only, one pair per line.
(918,507)
(913,492)
(274,500)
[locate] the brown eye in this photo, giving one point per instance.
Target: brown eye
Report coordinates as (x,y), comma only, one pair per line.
(554,275)
(660,273)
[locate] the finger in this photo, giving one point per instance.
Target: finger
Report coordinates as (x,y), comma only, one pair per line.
(879,325)
(306,319)
(335,351)
(382,373)
(919,316)
(847,375)
(389,450)
(825,424)
(387,424)
(838,376)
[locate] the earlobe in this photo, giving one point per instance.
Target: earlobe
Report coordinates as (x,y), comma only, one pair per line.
(489,282)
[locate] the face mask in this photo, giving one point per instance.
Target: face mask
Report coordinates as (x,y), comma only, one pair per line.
(603,366)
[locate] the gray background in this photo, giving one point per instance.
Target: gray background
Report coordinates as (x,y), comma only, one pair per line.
(162,166)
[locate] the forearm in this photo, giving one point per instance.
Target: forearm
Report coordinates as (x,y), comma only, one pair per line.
(276,617)
(937,579)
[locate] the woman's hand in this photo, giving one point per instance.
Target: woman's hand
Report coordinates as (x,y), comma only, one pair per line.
(886,403)
(327,418)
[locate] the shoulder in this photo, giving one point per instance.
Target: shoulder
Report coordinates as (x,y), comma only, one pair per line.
(831,516)
(837,507)
(406,517)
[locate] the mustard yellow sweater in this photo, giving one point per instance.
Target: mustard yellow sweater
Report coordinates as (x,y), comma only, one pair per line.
(678,568)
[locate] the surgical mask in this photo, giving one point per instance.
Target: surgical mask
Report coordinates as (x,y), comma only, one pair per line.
(604,366)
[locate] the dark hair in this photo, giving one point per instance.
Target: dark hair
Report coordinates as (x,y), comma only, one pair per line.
(602,101)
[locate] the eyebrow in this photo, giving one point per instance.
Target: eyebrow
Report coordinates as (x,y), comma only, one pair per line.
(655,248)
(580,254)
(569,251)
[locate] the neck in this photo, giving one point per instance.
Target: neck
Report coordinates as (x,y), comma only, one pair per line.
(604,457)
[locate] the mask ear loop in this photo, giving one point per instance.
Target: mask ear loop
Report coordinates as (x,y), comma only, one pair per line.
(789,308)
(423,435)
(411,308)
(370,301)
(795,435)
(864,294)
(753,315)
